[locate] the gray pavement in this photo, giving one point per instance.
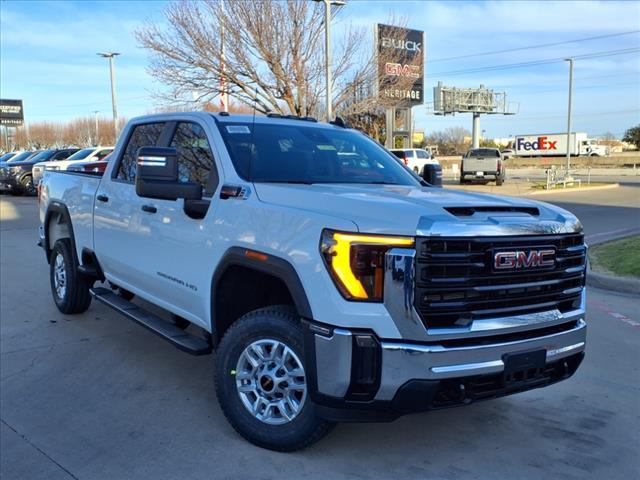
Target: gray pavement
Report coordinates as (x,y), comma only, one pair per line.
(94,396)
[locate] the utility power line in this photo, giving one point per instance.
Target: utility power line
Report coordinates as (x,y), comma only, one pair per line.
(540,45)
(605,53)
(593,114)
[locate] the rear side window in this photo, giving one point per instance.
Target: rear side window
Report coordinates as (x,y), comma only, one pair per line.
(145,135)
(422,154)
(195,161)
(409,153)
(398,153)
(102,153)
(62,155)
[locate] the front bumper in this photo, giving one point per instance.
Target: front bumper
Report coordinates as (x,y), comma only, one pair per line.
(410,377)
(9,181)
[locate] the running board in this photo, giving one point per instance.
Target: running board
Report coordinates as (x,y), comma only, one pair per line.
(179,338)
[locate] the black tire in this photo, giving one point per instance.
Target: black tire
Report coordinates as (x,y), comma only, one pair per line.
(281,324)
(27,187)
(69,289)
(499,182)
(462,181)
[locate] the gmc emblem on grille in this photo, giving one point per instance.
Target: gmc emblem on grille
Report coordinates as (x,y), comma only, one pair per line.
(523,259)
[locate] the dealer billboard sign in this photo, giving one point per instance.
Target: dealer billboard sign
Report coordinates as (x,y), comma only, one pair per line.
(400,62)
(11,113)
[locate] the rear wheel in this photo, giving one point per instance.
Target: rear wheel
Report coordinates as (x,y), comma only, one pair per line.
(70,290)
(499,181)
(261,381)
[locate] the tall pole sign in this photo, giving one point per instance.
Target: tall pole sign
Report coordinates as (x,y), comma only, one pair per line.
(11,115)
(400,65)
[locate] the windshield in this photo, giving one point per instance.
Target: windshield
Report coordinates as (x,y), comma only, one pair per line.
(483,152)
(20,157)
(84,153)
(305,154)
(43,156)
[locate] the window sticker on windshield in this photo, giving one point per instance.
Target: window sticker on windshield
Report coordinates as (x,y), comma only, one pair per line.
(237,129)
(326,147)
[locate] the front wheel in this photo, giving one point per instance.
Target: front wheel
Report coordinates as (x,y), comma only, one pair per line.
(70,290)
(261,381)
(27,187)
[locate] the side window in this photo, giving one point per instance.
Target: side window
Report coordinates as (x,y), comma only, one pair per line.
(145,135)
(422,154)
(102,153)
(195,161)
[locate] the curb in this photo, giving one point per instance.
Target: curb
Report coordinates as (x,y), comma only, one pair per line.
(617,284)
(579,189)
(611,282)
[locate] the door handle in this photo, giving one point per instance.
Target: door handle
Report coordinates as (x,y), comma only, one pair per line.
(149,209)
(103,198)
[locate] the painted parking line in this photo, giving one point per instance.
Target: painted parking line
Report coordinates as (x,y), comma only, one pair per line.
(616,315)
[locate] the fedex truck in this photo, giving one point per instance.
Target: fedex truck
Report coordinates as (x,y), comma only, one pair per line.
(555,144)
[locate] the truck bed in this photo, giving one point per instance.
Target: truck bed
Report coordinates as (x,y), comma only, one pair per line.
(76,191)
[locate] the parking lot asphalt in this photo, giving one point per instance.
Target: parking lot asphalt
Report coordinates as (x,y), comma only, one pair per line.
(94,396)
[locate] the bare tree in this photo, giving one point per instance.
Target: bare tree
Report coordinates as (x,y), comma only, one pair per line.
(451,141)
(79,132)
(273,53)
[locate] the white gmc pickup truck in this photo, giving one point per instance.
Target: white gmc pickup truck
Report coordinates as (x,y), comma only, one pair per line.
(332,284)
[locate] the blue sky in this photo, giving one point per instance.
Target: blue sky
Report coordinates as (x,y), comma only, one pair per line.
(48,58)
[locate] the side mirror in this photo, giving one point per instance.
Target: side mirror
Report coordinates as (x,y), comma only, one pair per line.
(157,175)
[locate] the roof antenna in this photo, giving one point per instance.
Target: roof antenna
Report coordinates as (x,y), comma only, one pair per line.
(253,132)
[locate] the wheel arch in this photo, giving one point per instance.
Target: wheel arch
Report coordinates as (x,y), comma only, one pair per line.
(57,225)
(242,263)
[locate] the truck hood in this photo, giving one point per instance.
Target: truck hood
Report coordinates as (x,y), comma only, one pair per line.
(405,210)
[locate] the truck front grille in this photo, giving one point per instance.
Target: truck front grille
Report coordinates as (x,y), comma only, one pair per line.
(456,282)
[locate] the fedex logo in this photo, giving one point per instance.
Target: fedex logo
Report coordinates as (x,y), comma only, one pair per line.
(541,144)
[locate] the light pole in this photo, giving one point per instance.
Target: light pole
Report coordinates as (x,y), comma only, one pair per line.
(111,56)
(327,48)
(568,166)
(95,112)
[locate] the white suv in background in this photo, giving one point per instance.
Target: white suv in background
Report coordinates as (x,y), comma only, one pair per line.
(415,158)
(84,155)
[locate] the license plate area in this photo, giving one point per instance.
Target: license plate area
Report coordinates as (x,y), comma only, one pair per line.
(524,366)
(479,174)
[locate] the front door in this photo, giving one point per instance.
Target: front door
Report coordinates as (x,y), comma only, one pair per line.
(153,247)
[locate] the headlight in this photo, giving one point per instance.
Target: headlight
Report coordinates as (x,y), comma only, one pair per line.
(356,262)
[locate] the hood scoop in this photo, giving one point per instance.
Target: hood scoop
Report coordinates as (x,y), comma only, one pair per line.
(469,211)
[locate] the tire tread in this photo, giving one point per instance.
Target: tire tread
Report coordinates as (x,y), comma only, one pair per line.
(289,315)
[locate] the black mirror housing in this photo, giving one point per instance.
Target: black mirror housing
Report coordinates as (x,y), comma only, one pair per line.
(157,175)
